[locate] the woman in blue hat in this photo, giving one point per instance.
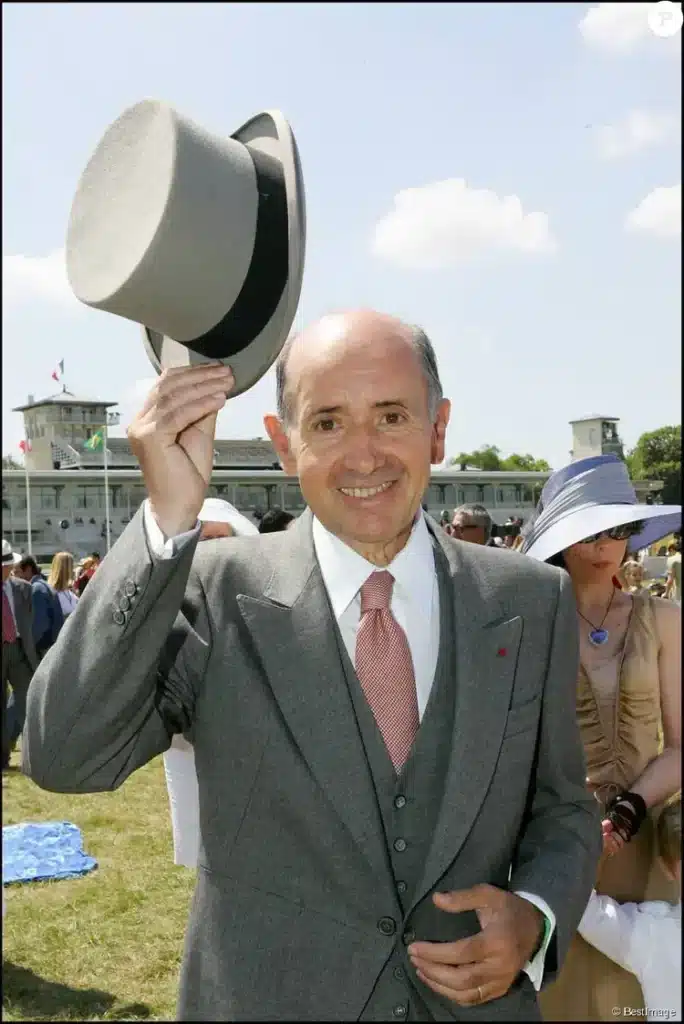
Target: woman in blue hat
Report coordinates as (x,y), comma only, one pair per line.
(628,704)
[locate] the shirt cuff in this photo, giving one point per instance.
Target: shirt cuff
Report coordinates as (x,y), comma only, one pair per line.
(534,968)
(160,546)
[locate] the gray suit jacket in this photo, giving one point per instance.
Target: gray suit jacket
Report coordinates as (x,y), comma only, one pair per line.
(23,613)
(237,650)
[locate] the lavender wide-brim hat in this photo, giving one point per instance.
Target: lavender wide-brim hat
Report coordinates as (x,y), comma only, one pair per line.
(587,497)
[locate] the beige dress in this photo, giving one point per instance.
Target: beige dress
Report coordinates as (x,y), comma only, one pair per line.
(621,731)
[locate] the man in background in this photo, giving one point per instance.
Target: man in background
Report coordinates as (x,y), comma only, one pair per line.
(275,521)
(48,617)
(19,658)
(472,523)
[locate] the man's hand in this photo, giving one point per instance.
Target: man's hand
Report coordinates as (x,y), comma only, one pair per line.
(484,966)
(173,439)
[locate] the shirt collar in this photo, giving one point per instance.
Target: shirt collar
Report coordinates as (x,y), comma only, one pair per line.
(344,571)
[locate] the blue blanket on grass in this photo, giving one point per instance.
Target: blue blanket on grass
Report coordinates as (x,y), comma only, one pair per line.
(40,852)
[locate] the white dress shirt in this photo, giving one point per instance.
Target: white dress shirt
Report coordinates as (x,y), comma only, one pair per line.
(645,939)
(9,590)
(415,597)
(415,606)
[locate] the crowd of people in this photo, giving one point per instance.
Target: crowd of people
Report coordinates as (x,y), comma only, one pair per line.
(369,729)
(34,610)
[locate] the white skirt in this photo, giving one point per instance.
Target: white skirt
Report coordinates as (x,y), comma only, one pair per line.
(181,783)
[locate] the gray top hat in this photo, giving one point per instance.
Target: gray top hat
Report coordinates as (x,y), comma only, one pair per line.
(197,237)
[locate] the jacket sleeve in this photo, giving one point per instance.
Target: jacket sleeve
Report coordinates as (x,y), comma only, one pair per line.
(123,677)
(560,843)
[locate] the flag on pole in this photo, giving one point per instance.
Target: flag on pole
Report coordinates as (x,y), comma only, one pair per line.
(59,372)
(95,442)
(24,446)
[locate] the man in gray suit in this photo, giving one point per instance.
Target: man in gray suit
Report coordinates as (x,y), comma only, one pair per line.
(394,819)
(19,658)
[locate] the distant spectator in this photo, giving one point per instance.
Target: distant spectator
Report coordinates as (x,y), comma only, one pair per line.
(61,580)
(673,587)
(48,617)
(19,658)
(631,575)
(86,571)
(472,523)
(275,521)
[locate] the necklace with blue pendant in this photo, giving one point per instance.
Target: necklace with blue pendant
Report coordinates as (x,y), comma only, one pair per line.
(598,636)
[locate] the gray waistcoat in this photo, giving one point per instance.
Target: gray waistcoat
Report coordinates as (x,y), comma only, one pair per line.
(409,804)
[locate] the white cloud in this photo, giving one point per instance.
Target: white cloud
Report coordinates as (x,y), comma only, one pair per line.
(621,28)
(447,223)
(27,279)
(639,130)
(131,402)
(139,390)
(659,213)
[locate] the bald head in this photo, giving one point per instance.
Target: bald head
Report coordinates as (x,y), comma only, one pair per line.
(363,335)
(361,419)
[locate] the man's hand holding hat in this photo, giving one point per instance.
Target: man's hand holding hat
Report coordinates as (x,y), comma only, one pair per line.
(173,439)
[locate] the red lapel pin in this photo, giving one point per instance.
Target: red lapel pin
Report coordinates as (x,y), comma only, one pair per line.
(502,652)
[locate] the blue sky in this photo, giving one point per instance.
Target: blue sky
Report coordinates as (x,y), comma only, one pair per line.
(571,304)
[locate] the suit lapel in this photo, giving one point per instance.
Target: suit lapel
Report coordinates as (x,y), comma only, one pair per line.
(486,648)
(292,629)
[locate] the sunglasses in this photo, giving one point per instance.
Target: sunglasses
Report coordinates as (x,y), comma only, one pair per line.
(623,532)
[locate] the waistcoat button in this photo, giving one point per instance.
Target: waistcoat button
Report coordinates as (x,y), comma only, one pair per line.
(399,802)
(400,845)
(408,937)
(400,1011)
(387,925)
(402,887)
(399,973)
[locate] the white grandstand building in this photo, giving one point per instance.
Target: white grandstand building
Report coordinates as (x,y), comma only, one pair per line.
(66,480)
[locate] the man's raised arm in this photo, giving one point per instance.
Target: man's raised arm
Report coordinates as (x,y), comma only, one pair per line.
(124,673)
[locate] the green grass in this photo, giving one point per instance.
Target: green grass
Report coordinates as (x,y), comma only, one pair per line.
(106,946)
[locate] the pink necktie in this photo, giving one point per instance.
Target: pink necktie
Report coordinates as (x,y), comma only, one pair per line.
(385,668)
(9,630)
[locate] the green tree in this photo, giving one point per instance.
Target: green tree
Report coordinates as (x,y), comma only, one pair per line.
(488,457)
(658,456)
(525,464)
